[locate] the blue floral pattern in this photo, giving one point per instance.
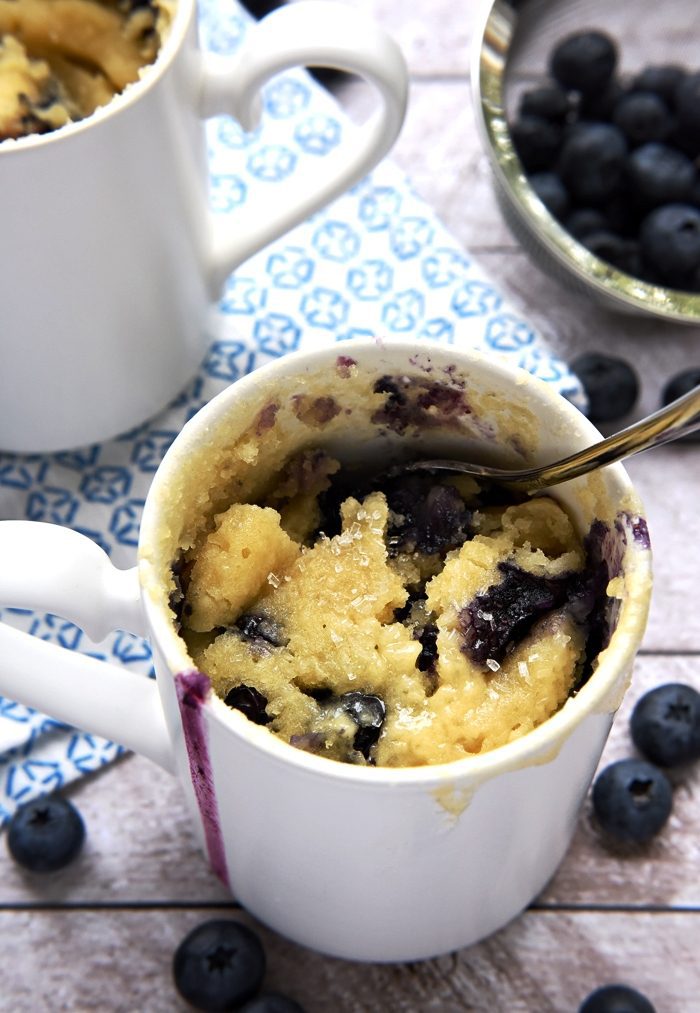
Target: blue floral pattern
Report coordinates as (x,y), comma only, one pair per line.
(377,261)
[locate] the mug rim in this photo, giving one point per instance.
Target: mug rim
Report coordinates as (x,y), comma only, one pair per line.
(132,93)
(534,746)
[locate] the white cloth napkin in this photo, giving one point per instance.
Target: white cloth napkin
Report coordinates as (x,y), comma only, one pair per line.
(376,262)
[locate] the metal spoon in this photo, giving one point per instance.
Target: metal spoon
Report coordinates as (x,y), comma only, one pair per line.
(670,423)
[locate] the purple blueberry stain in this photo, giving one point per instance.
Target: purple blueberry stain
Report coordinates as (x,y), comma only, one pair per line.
(193,689)
(266,418)
(420,361)
(315,411)
(419,403)
(638,526)
(344,365)
(443,399)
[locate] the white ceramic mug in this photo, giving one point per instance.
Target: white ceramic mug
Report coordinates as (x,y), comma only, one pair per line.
(366,863)
(109,256)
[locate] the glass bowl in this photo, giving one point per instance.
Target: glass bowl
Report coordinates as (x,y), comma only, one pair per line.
(512,45)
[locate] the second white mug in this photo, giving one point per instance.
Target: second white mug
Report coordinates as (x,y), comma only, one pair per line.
(110,257)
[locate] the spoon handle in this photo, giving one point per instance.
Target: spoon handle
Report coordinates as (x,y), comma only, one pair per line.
(677,419)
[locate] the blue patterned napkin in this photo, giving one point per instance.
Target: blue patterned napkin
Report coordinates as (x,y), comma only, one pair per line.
(376,262)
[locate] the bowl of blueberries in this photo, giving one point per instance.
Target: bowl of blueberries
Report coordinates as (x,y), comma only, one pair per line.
(593,133)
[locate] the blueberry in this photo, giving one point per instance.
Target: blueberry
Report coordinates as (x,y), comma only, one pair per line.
(599,107)
(181,572)
(536,142)
(45,835)
(552,192)
(257,626)
(687,98)
(663,80)
(665,725)
(611,385)
(425,517)
(584,62)
(670,243)
(614,249)
(502,615)
(616,999)
(642,117)
(368,712)
(427,637)
(632,800)
(272,1002)
(583,221)
(622,215)
(219,965)
(658,174)
(547,102)
(592,162)
(249,701)
(680,384)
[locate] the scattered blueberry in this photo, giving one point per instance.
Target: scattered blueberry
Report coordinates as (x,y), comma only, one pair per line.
(219,965)
(272,1002)
(46,834)
(552,192)
(658,174)
(584,62)
(632,800)
(670,243)
(328,76)
(260,8)
(680,384)
(548,103)
(592,162)
(536,141)
(616,999)
(611,385)
(642,117)
(665,725)
(250,702)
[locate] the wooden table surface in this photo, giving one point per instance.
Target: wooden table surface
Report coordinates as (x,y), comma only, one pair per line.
(100,935)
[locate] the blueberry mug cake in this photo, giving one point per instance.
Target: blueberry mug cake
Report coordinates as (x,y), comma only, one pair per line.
(379,618)
(62,59)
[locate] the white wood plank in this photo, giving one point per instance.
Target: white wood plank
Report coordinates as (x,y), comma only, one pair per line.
(545,961)
(662,873)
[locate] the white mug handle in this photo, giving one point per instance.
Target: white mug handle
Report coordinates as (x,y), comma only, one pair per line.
(314,32)
(51,568)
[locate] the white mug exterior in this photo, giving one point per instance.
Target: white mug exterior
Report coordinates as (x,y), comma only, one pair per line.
(110,257)
(363,863)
